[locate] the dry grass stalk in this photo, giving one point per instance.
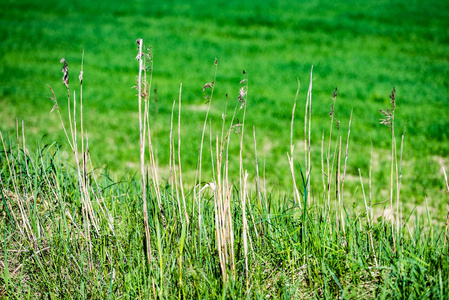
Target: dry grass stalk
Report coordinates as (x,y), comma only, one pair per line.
(219,222)
(222,201)
(175,180)
(389,122)
(56,107)
(346,158)
(241,98)
(200,158)
(186,215)
(323,173)
(257,171)
(292,148)
(398,183)
(65,81)
(245,226)
(172,163)
(85,195)
(329,167)
(85,153)
(146,84)
(338,190)
(308,125)
(142,152)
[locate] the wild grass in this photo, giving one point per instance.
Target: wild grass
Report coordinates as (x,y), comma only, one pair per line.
(365,50)
(69,231)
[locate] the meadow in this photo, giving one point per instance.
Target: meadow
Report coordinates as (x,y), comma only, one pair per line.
(363,49)
(84,225)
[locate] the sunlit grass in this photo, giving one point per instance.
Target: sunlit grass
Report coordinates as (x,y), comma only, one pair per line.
(364,49)
(70,230)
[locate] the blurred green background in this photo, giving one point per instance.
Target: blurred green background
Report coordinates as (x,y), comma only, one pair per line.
(362,47)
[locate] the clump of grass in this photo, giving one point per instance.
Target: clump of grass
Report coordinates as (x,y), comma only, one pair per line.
(68,232)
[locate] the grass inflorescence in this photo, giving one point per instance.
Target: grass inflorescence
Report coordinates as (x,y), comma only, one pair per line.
(70,231)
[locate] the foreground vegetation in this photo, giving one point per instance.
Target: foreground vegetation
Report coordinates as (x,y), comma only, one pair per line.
(70,231)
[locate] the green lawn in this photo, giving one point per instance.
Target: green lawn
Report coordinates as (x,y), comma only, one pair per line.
(363,49)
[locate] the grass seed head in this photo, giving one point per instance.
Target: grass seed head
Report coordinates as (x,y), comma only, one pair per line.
(208,85)
(53,99)
(334,97)
(393,103)
(139,54)
(148,57)
(242,94)
(389,113)
(334,94)
(65,71)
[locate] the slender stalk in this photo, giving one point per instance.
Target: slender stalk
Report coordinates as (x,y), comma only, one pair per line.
(398,183)
(81,113)
(179,157)
(245,227)
(172,164)
(221,248)
(322,170)
(65,70)
(393,147)
(292,148)
(241,173)
(56,107)
(338,189)
(329,175)
(200,158)
(308,125)
(370,186)
(346,158)
(257,170)
(142,154)
(369,220)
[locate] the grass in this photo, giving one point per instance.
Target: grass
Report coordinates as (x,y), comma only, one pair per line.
(71,231)
(363,49)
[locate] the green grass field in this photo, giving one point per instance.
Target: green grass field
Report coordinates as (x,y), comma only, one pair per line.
(364,49)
